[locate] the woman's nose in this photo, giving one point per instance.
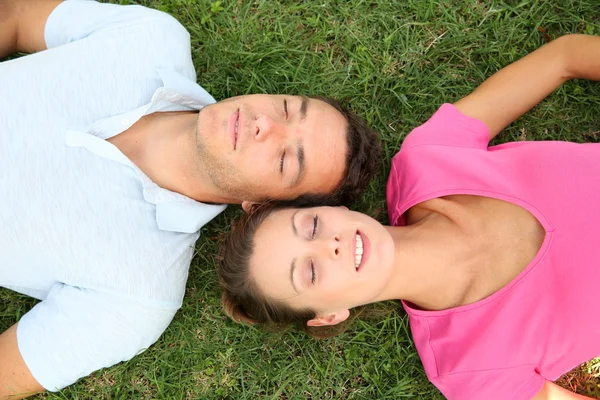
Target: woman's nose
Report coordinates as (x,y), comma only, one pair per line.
(333,246)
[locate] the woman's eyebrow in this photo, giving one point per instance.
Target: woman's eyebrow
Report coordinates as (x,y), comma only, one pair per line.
(294,224)
(292,269)
(293,265)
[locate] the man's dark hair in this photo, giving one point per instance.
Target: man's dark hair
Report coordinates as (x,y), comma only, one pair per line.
(362,161)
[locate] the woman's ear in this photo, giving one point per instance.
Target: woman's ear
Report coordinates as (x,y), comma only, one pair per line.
(331,319)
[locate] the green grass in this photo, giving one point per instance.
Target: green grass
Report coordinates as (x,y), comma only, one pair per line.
(394,63)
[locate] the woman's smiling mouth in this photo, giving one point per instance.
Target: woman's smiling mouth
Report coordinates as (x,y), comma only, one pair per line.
(361,250)
(358,253)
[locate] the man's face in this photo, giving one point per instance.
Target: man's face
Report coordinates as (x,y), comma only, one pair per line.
(271,146)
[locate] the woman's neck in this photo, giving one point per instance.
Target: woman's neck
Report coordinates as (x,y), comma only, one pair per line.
(432,264)
(453,250)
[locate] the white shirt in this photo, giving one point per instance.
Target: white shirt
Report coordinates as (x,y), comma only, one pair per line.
(81,227)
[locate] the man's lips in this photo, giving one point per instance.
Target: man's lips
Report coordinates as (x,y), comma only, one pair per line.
(232,122)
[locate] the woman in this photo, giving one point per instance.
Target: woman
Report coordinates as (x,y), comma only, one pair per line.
(493,250)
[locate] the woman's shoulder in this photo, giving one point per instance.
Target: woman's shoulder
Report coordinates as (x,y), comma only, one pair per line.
(448,127)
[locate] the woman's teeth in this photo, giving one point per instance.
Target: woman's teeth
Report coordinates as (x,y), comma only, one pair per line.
(359,251)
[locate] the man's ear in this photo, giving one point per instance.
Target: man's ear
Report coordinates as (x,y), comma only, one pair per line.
(248,206)
(331,319)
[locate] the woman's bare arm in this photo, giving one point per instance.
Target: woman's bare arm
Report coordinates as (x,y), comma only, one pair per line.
(551,391)
(515,89)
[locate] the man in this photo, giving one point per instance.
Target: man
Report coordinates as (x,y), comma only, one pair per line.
(112,158)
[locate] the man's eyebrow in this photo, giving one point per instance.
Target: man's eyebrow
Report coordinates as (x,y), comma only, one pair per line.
(303,108)
(292,269)
(301,163)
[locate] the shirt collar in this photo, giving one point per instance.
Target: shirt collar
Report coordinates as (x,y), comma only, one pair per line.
(180,90)
(174,212)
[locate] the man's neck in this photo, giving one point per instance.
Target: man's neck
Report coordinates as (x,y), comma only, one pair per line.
(163,146)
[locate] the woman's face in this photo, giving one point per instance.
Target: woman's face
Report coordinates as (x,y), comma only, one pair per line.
(325,259)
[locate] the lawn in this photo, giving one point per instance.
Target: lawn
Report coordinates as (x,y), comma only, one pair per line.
(393,63)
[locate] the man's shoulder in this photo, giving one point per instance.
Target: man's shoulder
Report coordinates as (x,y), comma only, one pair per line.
(140,16)
(147,33)
(143,24)
(99,15)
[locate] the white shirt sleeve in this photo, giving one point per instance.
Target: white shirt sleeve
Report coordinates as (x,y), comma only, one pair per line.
(74,20)
(74,332)
(118,39)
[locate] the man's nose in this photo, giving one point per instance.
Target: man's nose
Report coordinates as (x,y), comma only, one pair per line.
(266,126)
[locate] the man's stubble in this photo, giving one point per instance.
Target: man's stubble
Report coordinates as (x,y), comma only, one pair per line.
(221,173)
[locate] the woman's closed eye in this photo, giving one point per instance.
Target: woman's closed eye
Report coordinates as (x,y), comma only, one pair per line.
(315,226)
(313,276)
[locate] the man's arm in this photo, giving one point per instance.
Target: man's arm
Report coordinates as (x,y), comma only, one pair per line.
(16,382)
(551,391)
(515,89)
(22,24)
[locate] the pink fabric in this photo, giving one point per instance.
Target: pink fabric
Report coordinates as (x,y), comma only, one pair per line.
(543,323)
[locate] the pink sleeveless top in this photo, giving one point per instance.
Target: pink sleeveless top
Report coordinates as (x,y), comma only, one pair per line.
(544,322)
